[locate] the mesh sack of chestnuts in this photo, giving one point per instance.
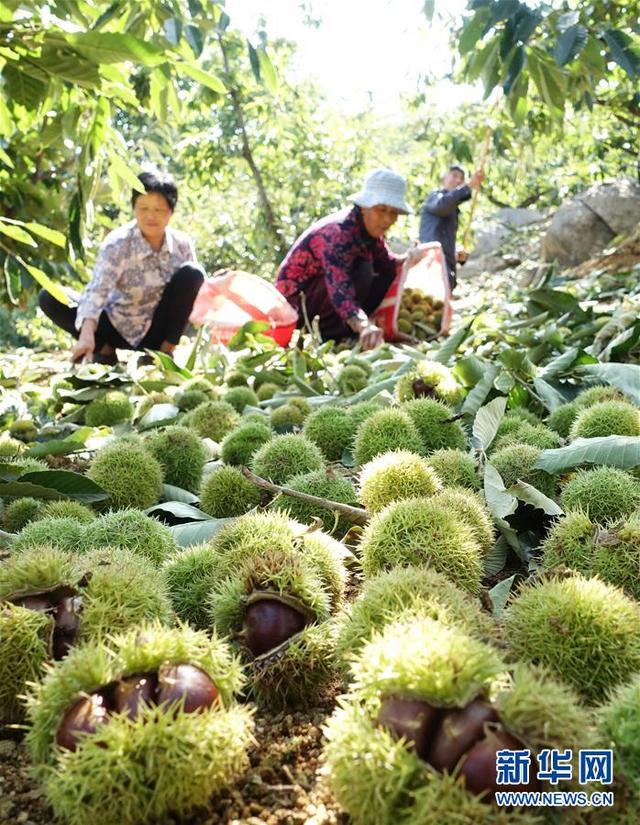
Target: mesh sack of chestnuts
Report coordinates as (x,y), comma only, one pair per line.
(415,740)
(418,302)
(51,600)
(128,732)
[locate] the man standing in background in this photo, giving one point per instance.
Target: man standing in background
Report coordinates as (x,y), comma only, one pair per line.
(440,212)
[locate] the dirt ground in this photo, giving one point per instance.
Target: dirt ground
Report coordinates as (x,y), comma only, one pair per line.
(283,784)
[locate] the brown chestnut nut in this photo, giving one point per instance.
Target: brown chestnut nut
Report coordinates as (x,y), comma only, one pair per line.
(412,719)
(188,683)
(422,390)
(40,603)
(133,693)
(459,729)
(62,642)
(67,626)
(478,767)
(85,716)
(268,623)
(67,615)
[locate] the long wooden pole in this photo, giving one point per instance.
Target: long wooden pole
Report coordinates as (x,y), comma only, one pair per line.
(476,192)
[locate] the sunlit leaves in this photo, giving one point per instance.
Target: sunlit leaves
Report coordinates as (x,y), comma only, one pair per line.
(267,71)
(210,81)
(624,50)
(194,38)
(563,52)
(23,88)
(107,47)
(549,80)
(123,171)
(16,233)
(46,283)
(62,88)
(570,43)
(173,30)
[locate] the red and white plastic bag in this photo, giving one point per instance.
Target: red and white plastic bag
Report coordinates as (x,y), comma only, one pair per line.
(426,273)
(231,298)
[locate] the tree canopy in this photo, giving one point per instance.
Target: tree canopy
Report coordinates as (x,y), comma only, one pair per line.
(90,92)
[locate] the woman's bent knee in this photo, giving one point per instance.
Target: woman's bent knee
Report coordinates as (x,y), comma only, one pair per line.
(46,302)
(189,275)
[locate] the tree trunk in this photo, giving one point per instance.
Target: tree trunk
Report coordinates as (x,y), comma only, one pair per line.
(247,154)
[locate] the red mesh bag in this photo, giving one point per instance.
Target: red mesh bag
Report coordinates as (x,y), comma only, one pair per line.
(426,273)
(231,298)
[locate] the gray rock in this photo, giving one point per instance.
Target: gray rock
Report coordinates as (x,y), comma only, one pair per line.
(499,226)
(517,216)
(478,265)
(584,226)
(488,240)
(617,203)
(575,235)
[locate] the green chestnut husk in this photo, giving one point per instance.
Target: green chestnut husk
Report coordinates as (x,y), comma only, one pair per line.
(165,761)
(587,632)
(419,531)
(412,589)
(295,581)
(377,774)
(111,590)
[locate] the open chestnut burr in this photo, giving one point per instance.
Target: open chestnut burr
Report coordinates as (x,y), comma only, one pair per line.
(182,685)
(269,622)
(466,739)
(64,606)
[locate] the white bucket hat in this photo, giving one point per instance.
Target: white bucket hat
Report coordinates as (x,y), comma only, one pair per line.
(382,186)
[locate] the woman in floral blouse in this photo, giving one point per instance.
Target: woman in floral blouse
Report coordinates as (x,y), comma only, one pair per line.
(341,267)
(144,283)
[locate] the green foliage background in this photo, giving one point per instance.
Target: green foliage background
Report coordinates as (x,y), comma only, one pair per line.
(89,92)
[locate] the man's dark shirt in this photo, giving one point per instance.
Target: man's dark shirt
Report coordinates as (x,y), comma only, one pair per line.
(439,220)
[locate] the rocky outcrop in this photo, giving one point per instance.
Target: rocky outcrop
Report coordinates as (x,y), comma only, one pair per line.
(587,224)
(493,232)
(518,216)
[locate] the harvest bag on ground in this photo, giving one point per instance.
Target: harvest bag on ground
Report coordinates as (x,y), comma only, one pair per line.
(420,296)
(231,298)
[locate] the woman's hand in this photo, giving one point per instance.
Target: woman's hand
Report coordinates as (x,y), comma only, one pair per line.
(83,350)
(371,336)
(416,253)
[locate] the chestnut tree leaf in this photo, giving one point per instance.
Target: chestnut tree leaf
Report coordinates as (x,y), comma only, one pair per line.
(500,594)
(531,495)
(197,532)
(620,451)
(486,423)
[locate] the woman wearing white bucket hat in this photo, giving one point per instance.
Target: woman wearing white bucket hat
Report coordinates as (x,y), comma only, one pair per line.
(342,264)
